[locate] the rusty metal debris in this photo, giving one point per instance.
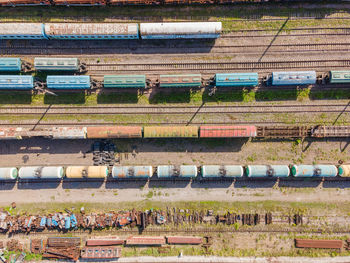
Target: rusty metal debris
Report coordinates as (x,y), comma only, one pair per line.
(14,245)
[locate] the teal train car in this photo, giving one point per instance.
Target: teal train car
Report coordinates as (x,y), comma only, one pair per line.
(124,81)
(10,64)
(267,170)
(236,79)
(339,76)
(56,64)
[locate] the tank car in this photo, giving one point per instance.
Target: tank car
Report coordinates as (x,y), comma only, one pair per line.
(227,131)
(267,170)
(81,31)
(132,172)
(79,172)
(344,170)
(68,82)
(22,31)
(16,82)
(40,172)
(173,171)
(170,132)
(180,30)
(292,78)
(124,81)
(180,81)
(8,173)
(222,171)
(114,132)
(314,170)
(10,64)
(236,79)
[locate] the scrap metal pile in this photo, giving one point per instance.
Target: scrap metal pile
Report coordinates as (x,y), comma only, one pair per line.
(65,221)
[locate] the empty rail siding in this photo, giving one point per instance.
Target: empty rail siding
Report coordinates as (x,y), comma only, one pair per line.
(159,110)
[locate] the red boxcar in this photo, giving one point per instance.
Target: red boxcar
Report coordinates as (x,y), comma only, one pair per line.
(184,240)
(24,2)
(227,131)
(114,132)
(104,242)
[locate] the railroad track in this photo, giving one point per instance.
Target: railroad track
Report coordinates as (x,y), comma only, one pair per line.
(311,64)
(154,110)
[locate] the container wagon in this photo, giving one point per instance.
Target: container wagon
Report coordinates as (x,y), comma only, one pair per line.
(173,171)
(180,30)
(68,82)
(292,78)
(22,31)
(222,171)
(132,172)
(16,82)
(170,132)
(180,81)
(236,79)
(10,64)
(227,131)
(314,170)
(40,172)
(91,31)
(79,172)
(267,170)
(56,64)
(124,81)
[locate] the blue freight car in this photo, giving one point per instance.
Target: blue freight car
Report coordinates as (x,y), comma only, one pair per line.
(314,170)
(68,82)
(267,171)
(10,64)
(172,171)
(236,79)
(293,78)
(16,82)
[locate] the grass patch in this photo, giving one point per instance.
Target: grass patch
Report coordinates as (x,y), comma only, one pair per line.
(16,97)
(65,98)
(171,97)
(330,94)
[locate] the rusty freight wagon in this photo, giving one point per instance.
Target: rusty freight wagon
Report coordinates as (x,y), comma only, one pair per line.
(227,131)
(170,132)
(145,241)
(80,2)
(114,132)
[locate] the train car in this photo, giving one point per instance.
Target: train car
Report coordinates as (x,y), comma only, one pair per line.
(229,131)
(135,2)
(8,173)
(339,77)
(173,171)
(124,81)
(132,172)
(40,172)
(293,78)
(114,132)
(323,131)
(236,79)
(67,133)
(222,171)
(180,30)
(24,2)
(344,170)
(170,132)
(16,82)
(68,82)
(81,31)
(180,81)
(56,64)
(314,170)
(10,64)
(267,170)
(22,31)
(78,172)
(80,2)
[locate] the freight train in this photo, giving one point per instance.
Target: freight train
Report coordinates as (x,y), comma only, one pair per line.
(174,171)
(84,82)
(203,131)
(103,31)
(124,2)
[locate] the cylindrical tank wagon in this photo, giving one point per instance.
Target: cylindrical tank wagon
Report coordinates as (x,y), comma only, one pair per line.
(180,171)
(321,170)
(41,172)
(8,173)
(79,172)
(222,171)
(132,172)
(267,171)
